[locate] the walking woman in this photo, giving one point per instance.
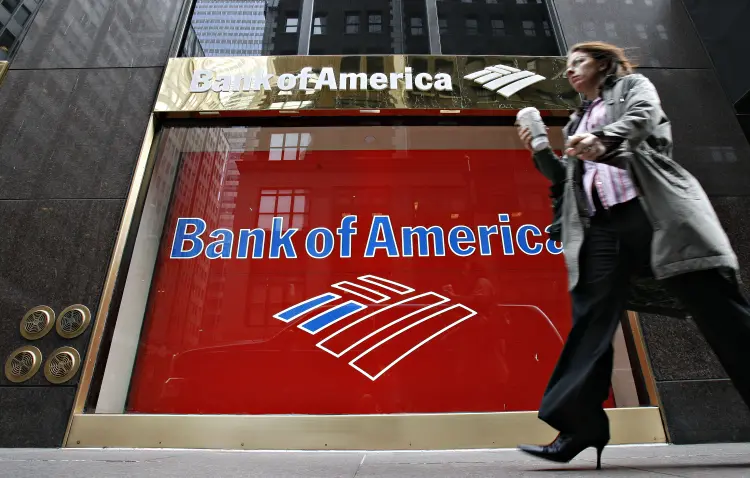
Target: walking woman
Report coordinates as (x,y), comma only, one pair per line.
(627,207)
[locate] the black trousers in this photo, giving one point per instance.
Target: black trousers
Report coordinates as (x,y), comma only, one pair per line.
(618,242)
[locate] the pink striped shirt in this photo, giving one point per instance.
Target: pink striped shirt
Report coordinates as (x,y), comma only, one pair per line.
(613,185)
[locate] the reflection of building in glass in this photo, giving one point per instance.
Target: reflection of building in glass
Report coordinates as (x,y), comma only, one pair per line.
(230,27)
(192,46)
(99,16)
(206,185)
(288,204)
(15,17)
(288,147)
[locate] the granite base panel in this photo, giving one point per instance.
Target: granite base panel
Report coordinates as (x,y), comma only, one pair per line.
(704,411)
(678,351)
(34,417)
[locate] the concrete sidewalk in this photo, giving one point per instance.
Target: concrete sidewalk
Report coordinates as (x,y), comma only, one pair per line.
(731,460)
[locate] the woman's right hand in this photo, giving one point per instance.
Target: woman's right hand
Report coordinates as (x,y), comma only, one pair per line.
(525,136)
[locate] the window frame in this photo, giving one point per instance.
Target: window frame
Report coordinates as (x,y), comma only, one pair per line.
(420,28)
(287,24)
(347,24)
(371,24)
(320,25)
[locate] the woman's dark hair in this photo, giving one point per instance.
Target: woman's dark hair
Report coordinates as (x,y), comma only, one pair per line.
(614,57)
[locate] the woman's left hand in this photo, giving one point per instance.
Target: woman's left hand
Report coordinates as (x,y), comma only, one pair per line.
(585,146)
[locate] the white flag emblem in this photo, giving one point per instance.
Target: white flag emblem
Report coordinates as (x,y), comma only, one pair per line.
(504,80)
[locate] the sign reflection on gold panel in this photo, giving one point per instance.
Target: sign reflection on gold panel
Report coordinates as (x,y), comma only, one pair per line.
(3,69)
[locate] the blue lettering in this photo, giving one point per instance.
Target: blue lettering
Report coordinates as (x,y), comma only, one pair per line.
(311,243)
(320,242)
(423,233)
(381,224)
(281,241)
(461,235)
(506,235)
(259,240)
(181,236)
(345,232)
(522,239)
(485,248)
(221,248)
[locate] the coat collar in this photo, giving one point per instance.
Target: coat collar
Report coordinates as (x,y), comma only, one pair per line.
(607,84)
(610,81)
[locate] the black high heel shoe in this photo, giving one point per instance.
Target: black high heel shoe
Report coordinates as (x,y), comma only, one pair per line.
(566,447)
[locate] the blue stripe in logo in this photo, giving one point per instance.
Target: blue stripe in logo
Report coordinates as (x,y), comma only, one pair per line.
(327,318)
(304,307)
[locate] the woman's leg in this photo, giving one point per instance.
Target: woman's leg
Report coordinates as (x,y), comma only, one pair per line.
(581,380)
(618,242)
(722,314)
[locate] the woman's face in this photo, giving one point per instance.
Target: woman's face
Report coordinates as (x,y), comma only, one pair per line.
(583,72)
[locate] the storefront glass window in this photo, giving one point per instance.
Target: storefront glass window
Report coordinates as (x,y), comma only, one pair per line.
(496,28)
(343,270)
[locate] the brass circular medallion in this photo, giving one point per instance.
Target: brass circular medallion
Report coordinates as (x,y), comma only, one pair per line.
(62,365)
(23,363)
(37,322)
(73,321)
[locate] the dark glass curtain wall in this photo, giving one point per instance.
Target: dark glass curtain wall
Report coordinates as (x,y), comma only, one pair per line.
(361,27)
(495,27)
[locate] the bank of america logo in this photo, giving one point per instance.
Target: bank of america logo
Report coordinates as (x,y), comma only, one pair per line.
(386,323)
(504,80)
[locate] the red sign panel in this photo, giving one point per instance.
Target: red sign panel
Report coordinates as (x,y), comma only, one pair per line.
(301,280)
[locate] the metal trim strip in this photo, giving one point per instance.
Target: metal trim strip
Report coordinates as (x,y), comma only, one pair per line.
(113,272)
(4,65)
(344,432)
(644,361)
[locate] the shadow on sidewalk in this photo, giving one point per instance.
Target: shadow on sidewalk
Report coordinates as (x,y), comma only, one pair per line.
(662,466)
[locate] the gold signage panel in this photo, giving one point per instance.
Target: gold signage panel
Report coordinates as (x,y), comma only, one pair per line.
(401,84)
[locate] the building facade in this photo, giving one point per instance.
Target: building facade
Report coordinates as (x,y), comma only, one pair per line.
(309,224)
